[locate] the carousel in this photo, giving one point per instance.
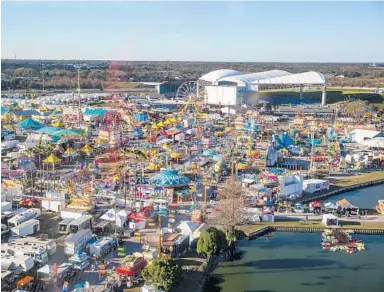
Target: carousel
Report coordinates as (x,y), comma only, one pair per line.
(169,182)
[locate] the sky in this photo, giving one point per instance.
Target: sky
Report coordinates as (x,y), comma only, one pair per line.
(194,31)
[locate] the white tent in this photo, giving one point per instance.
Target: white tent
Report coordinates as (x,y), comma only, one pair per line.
(227,110)
(330,220)
(119,219)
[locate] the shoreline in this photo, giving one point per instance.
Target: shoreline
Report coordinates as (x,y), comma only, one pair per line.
(340,190)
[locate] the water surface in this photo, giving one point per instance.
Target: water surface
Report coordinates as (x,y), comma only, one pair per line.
(362,198)
(295,262)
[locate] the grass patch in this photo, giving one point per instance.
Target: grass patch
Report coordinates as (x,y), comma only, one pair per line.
(357,179)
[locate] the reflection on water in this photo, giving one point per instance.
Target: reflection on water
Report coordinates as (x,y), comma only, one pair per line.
(364,198)
(295,262)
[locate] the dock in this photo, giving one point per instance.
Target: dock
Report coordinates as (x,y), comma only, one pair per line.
(262,230)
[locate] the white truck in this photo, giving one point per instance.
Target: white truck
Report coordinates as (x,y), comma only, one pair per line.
(6,206)
(11,262)
(9,145)
(43,242)
(23,217)
(72,213)
(75,242)
(39,254)
(102,246)
(27,228)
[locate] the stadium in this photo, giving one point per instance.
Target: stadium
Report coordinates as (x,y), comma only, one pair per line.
(231,87)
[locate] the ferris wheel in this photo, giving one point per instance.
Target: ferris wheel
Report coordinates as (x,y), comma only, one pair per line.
(192,91)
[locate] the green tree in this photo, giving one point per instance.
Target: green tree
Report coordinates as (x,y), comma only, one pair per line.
(162,273)
(211,241)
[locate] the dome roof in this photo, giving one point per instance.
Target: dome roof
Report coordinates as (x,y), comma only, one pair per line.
(169,178)
(214,76)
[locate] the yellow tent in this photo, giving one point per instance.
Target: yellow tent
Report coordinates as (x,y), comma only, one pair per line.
(44,109)
(52,159)
(69,151)
(173,120)
(58,124)
(160,124)
(154,126)
(167,122)
(86,148)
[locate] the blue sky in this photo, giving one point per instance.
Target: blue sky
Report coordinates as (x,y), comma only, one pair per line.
(195,31)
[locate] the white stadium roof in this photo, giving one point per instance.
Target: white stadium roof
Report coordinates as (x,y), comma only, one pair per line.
(214,76)
(301,78)
(273,77)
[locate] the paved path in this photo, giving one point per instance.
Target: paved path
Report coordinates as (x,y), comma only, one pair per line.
(314,217)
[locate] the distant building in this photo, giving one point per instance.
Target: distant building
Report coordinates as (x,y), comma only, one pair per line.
(169,88)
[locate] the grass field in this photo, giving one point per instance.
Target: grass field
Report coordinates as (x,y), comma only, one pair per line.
(357,179)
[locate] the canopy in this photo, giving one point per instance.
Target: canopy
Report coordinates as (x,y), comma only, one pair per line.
(169,178)
(86,148)
(345,204)
(29,123)
(44,109)
(67,132)
(95,111)
(52,159)
(58,124)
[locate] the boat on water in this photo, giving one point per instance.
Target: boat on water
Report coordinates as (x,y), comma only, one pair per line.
(380,207)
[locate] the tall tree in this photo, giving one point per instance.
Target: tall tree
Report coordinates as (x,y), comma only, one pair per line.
(162,273)
(232,207)
(211,241)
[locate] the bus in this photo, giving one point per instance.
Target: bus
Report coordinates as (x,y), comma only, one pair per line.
(83,222)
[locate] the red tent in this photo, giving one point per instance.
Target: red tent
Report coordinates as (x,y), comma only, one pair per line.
(316,204)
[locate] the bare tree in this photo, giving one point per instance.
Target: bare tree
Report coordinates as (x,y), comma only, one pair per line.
(232,206)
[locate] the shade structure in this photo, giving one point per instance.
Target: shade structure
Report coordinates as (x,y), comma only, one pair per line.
(52,159)
(69,152)
(154,126)
(58,124)
(67,132)
(44,109)
(86,148)
(160,124)
(169,178)
(140,117)
(29,124)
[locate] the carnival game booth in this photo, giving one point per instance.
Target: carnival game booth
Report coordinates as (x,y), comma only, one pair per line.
(344,207)
(94,114)
(130,269)
(330,220)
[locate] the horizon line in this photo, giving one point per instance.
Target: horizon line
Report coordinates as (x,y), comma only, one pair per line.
(196,61)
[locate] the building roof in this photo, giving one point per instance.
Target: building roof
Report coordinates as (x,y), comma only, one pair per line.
(301,78)
(248,79)
(275,77)
(215,76)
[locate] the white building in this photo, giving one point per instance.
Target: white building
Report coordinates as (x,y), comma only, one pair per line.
(315,185)
(360,135)
(231,87)
(291,185)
